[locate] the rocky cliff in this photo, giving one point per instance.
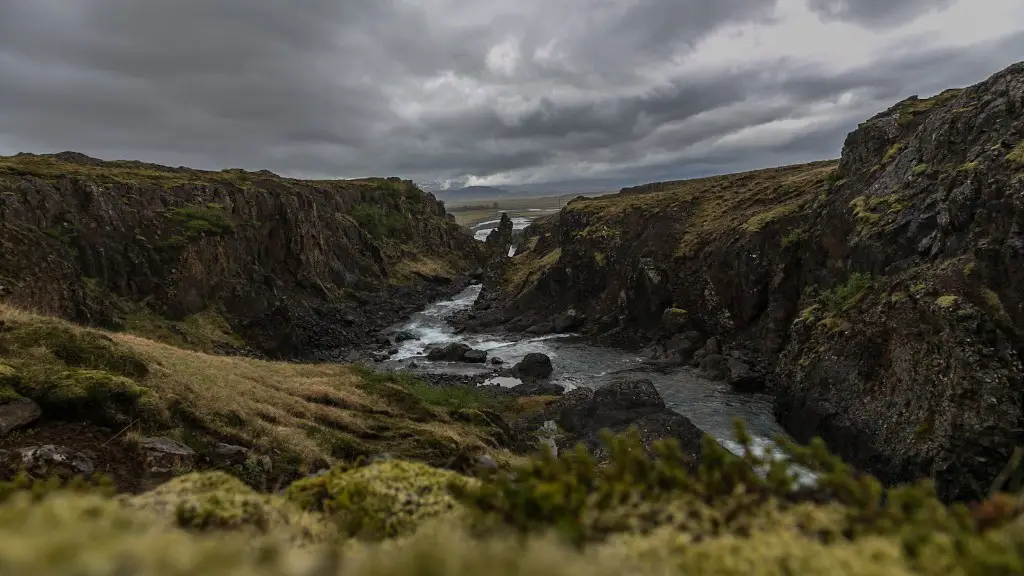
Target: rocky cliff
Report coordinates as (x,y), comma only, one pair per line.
(228,259)
(880,295)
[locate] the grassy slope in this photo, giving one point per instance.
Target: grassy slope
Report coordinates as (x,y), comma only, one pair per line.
(304,416)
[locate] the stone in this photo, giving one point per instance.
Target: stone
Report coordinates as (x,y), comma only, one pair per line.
(715,367)
(534,366)
(713,346)
(229,451)
(542,328)
(393,351)
(402,336)
(497,361)
(18,413)
(164,456)
(450,353)
(567,321)
(474,356)
(674,320)
(742,378)
(53,460)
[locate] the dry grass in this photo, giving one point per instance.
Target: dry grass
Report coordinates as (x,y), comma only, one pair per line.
(407,270)
(526,268)
(708,207)
(304,416)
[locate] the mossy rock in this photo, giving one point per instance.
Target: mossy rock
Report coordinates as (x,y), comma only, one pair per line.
(74,347)
(384,499)
(94,395)
(674,320)
(8,382)
(218,501)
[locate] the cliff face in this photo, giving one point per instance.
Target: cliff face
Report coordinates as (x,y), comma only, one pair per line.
(289,266)
(880,295)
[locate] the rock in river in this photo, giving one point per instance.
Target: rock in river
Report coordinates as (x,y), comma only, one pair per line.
(533,366)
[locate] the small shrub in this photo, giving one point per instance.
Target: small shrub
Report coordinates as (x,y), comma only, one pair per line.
(381,223)
(844,295)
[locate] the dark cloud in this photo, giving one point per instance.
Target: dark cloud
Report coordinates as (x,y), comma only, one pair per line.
(571,93)
(877,12)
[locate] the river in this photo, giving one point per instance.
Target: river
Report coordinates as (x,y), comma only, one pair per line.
(710,405)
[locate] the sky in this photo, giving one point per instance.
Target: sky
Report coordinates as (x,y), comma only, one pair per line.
(565,94)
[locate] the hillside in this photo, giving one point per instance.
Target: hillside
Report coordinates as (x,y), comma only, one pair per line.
(228,260)
(877,296)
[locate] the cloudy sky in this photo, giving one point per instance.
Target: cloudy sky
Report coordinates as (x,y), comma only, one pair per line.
(571,93)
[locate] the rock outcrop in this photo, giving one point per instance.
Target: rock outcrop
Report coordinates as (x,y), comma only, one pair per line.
(283,266)
(879,297)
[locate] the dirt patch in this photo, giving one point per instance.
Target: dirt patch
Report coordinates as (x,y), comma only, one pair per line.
(110,454)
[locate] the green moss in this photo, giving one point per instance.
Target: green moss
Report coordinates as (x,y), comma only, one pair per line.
(72,346)
(381,223)
(808,314)
(205,331)
(869,210)
(967,167)
(413,395)
(1016,156)
(384,499)
(995,304)
(897,297)
(759,221)
(794,237)
(8,381)
(893,152)
(947,301)
(599,259)
(198,221)
(912,108)
(845,295)
(217,501)
(93,395)
(919,169)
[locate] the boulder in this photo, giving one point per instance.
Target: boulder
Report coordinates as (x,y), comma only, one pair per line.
(164,456)
(542,328)
(17,413)
(456,352)
(497,361)
(474,356)
(52,460)
(674,320)
(581,415)
(715,367)
(402,336)
(743,378)
(534,366)
(451,353)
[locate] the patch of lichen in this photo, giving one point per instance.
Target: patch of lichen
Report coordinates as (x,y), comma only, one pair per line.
(381,500)
(1016,156)
(209,501)
(870,210)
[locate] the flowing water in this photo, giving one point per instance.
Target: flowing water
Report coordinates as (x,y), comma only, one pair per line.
(712,406)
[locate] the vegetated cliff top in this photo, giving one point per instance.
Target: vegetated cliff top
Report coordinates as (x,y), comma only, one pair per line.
(77,165)
(282,261)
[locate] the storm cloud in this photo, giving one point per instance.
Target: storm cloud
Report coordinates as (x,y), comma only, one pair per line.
(567,94)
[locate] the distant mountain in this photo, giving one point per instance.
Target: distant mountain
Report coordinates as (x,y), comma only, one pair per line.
(472,193)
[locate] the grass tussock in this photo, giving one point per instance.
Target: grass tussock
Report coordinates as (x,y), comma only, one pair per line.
(304,416)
